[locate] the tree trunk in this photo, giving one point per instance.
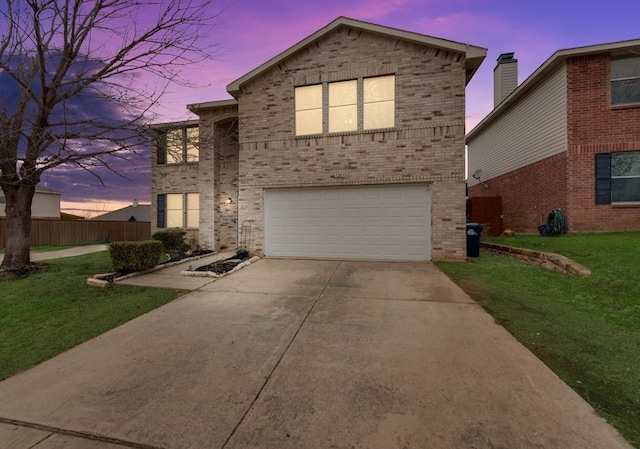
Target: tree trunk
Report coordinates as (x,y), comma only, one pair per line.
(18,211)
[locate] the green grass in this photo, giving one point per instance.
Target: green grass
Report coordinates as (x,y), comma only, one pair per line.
(51,311)
(587,330)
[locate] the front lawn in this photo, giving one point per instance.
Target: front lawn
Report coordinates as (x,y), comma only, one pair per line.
(587,330)
(51,311)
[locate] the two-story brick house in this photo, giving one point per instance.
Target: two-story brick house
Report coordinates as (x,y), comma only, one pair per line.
(566,138)
(350,144)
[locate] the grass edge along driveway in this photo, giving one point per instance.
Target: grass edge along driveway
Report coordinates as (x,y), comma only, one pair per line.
(54,310)
(587,330)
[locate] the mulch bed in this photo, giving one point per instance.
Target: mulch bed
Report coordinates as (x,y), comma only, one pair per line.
(225,265)
(180,256)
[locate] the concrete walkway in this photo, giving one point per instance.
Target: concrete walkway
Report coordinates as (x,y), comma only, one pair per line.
(303,354)
(69,252)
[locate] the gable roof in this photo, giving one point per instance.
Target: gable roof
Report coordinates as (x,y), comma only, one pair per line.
(557,59)
(140,212)
(474,55)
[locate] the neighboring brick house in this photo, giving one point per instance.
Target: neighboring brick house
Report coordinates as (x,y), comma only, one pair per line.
(567,138)
(350,144)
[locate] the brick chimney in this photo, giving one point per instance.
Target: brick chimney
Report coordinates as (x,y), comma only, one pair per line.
(505,77)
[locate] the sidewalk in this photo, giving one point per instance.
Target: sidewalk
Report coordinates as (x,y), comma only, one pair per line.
(170,277)
(69,252)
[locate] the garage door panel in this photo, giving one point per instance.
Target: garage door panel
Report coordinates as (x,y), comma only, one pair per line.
(390,222)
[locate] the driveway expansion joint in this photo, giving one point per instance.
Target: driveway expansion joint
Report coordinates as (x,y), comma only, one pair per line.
(76,434)
(275,366)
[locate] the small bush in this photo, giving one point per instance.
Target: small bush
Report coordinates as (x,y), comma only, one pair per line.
(172,240)
(135,256)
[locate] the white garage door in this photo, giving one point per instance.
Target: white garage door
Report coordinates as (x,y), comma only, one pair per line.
(391,222)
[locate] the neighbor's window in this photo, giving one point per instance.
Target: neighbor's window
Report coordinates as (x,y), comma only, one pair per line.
(625,80)
(352,105)
(618,177)
(180,145)
(177,210)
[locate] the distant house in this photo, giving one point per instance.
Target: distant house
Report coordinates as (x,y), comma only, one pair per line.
(68,216)
(46,204)
(349,144)
(567,138)
(135,212)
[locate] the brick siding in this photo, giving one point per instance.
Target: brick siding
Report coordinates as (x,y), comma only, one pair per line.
(425,146)
(567,180)
(594,126)
(529,193)
(215,177)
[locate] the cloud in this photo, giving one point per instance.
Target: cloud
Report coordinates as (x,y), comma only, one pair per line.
(98,119)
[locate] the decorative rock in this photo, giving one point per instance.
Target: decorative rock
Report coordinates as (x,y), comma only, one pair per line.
(97,282)
(550,261)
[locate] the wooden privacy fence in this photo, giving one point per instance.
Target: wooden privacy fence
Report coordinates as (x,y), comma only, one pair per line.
(63,232)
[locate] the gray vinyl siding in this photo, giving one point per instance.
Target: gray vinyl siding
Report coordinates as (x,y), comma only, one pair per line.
(532,129)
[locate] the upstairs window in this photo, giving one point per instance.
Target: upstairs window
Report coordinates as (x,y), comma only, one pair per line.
(343,106)
(625,80)
(309,110)
(352,105)
(618,177)
(179,146)
(379,102)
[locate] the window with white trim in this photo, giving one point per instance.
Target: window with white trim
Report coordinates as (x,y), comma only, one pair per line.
(352,105)
(625,80)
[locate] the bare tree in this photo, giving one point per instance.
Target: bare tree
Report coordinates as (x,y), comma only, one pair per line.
(74,77)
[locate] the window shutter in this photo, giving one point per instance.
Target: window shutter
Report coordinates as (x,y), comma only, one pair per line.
(603,178)
(161,142)
(162,210)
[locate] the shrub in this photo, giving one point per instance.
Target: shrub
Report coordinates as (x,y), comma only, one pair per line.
(135,256)
(172,240)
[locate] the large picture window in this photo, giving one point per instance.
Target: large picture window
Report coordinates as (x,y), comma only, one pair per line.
(625,80)
(618,177)
(177,210)
(352,105)
(179,146)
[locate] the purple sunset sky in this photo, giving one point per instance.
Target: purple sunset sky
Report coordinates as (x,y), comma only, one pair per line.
(250,32)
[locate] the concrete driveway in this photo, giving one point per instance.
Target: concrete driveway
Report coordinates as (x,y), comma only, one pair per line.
(303,354)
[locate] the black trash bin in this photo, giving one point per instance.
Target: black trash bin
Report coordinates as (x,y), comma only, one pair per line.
(473,239)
